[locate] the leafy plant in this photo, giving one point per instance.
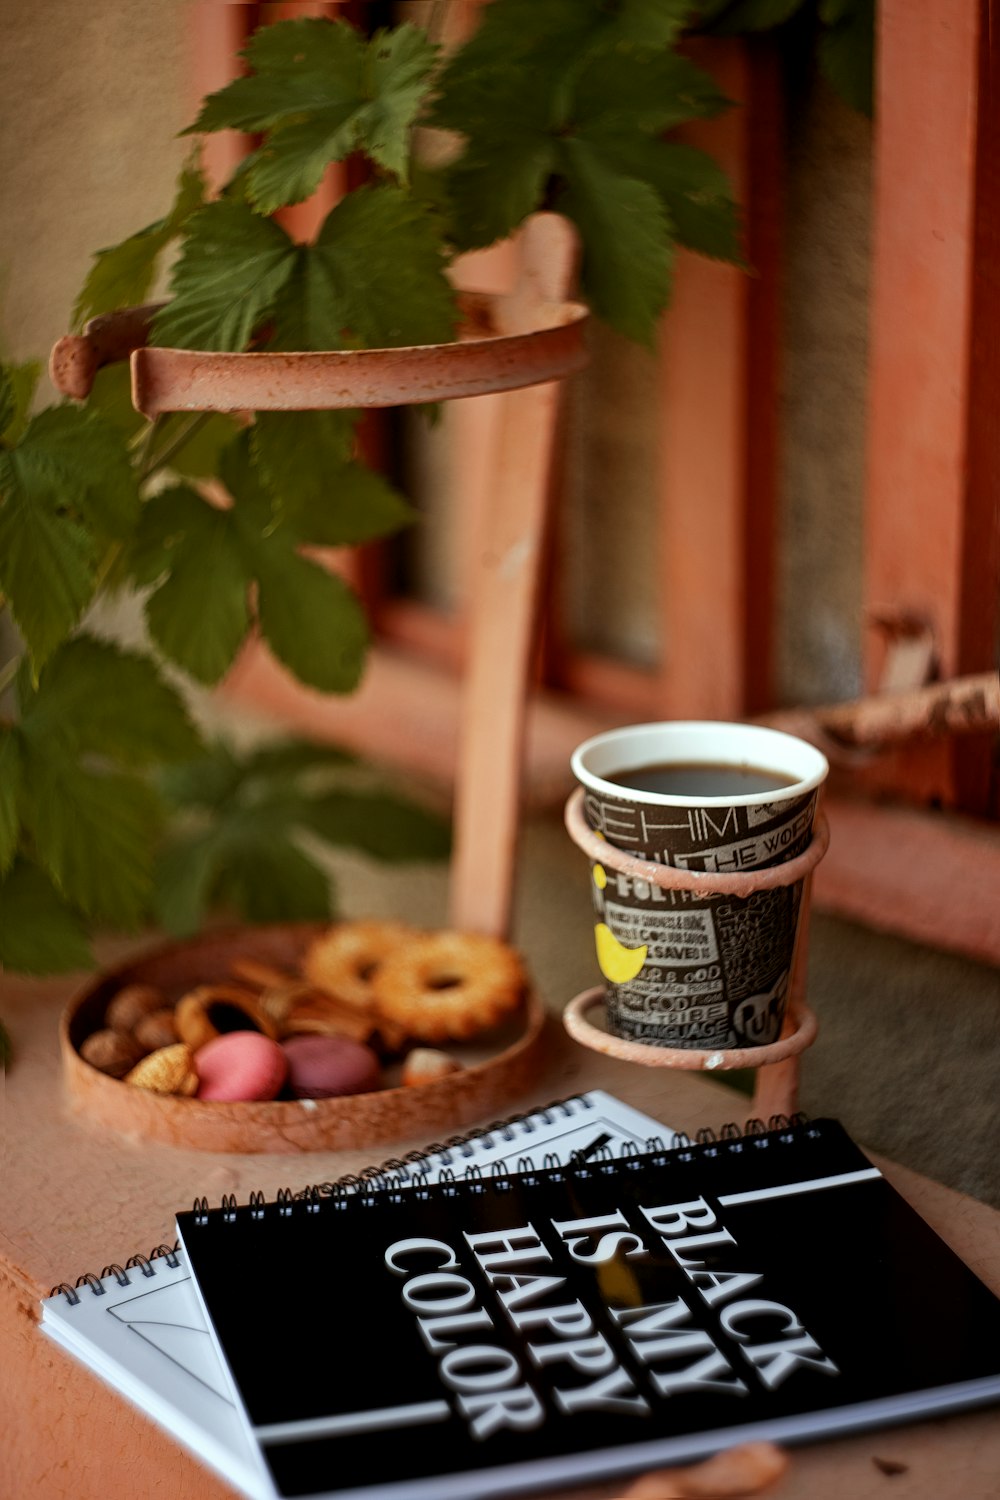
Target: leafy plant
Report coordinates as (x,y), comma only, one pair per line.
(566,105)
(243,830)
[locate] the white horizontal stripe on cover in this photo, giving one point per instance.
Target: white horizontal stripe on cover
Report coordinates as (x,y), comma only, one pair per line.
(354,1421)
(813,1185)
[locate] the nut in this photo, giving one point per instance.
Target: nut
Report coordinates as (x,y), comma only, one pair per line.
(156,1030)
(111,1052)
(131,1003)
(169,1070)
(427,1065)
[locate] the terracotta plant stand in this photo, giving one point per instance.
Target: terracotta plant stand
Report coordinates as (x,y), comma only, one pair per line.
(777,1063)
(521,345)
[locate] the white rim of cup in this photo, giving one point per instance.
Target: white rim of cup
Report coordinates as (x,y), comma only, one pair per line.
(635,745)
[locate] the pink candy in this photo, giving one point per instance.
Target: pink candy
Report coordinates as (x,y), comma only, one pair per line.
(241,1065)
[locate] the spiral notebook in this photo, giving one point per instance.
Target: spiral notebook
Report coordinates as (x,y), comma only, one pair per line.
(507,1332)
(141,1327)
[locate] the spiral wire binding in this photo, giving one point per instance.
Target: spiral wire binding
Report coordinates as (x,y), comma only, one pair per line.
(144,1264)
(443,1153)
(386,1181)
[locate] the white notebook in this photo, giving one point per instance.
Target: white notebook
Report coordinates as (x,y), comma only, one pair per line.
(143,1331)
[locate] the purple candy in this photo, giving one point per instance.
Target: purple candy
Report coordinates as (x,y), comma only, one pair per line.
(324,1067)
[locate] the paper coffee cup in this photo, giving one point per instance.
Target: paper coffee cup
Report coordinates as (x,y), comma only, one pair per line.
(684,970)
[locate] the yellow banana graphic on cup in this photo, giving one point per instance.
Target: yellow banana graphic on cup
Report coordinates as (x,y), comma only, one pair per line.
(617,963)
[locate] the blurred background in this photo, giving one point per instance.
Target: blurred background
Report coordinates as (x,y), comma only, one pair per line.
(790,501)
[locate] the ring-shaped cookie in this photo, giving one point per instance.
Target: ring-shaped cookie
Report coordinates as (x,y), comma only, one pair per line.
(345,961)
(450,985)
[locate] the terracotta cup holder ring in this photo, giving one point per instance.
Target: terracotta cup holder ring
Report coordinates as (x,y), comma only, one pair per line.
(777,1061)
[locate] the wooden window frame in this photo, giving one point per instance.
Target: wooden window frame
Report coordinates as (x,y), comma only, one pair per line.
(932,549)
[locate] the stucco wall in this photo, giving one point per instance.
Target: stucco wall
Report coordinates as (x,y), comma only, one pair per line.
(91,98)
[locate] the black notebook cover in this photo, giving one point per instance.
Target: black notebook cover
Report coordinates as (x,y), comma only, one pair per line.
(512,1333)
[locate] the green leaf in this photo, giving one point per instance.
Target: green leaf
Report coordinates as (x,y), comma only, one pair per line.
(295,450)
(79,461)
(226,280)
(362,507)
(190,194)
(517,69)
(11,782)
(379,824)
(8,405)
(47,563)
(122,274)
(695,190)
(322,92)
(284,760)
(199,456)
(375,276)
(747,15)
(309,617)
(847,50)
(111,398)
(654,23)
(641,90)
(516,42)
(95,697)
(482,100)
(699,201)
(217,778)
(247,862)
(199,614)
(300,65)
(495,185)
(270,880)
(526,119)
(398,65)
(245,815)
(502,91)
(311,620)
(163,525)
(94,834)
(184,878)
(290,167)
(325,498)
(21,381)
(40,933)
(208,780)
(627,250)
(254,511)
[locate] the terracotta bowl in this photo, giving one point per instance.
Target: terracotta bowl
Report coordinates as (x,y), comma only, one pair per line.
(497,1066)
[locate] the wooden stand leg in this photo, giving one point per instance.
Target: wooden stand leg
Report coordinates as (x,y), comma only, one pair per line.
(504,592)
(777,1089)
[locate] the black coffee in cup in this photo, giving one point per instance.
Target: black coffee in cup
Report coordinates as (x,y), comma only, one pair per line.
(667,779)
(682,969)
